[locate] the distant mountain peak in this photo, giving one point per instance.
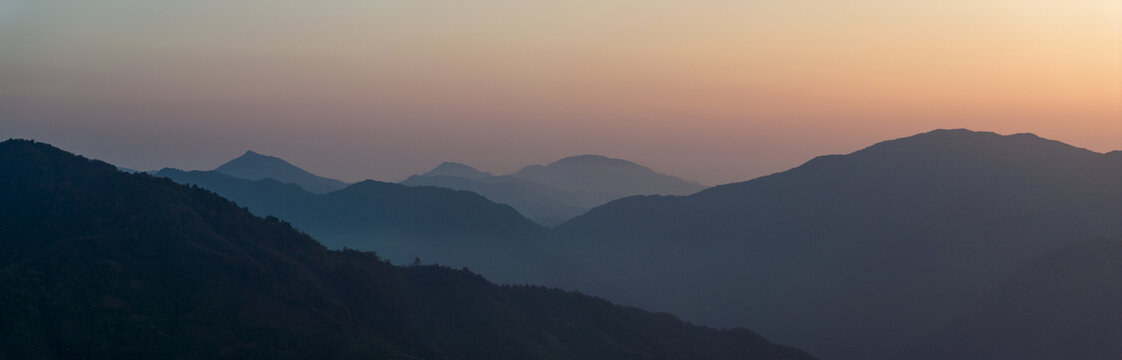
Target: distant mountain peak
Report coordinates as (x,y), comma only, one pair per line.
(592,159)
(250,154)
(256,166)
(449,168)
(587,157)
(605,175)
(369,184)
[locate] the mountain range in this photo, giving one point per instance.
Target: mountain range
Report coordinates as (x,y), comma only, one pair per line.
(553,193)
(852,256)
(548,194)
(909,247)
(101,264)
(427,219)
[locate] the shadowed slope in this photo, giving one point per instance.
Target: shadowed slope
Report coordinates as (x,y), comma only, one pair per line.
(1066,304)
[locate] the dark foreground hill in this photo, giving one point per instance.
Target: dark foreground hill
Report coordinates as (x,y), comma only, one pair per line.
(1066,304)
(853,256)
(254,166)
(103,264)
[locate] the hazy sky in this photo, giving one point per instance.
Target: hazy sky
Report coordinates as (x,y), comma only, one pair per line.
(714,91)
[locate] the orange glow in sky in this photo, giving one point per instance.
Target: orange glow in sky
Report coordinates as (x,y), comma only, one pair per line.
(716,91)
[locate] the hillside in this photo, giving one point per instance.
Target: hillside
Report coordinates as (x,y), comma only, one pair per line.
(1066,304)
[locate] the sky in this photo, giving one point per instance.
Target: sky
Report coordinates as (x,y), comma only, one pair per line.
(712,91)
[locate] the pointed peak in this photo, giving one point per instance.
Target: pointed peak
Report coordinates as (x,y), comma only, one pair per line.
(257,166)
(252,160)
(250,154)
(368,185)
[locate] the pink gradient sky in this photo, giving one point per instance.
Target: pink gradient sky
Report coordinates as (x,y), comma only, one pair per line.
(718,91)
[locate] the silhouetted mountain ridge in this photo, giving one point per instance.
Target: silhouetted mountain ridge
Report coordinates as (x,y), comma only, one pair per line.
(556,192)
(605,175)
